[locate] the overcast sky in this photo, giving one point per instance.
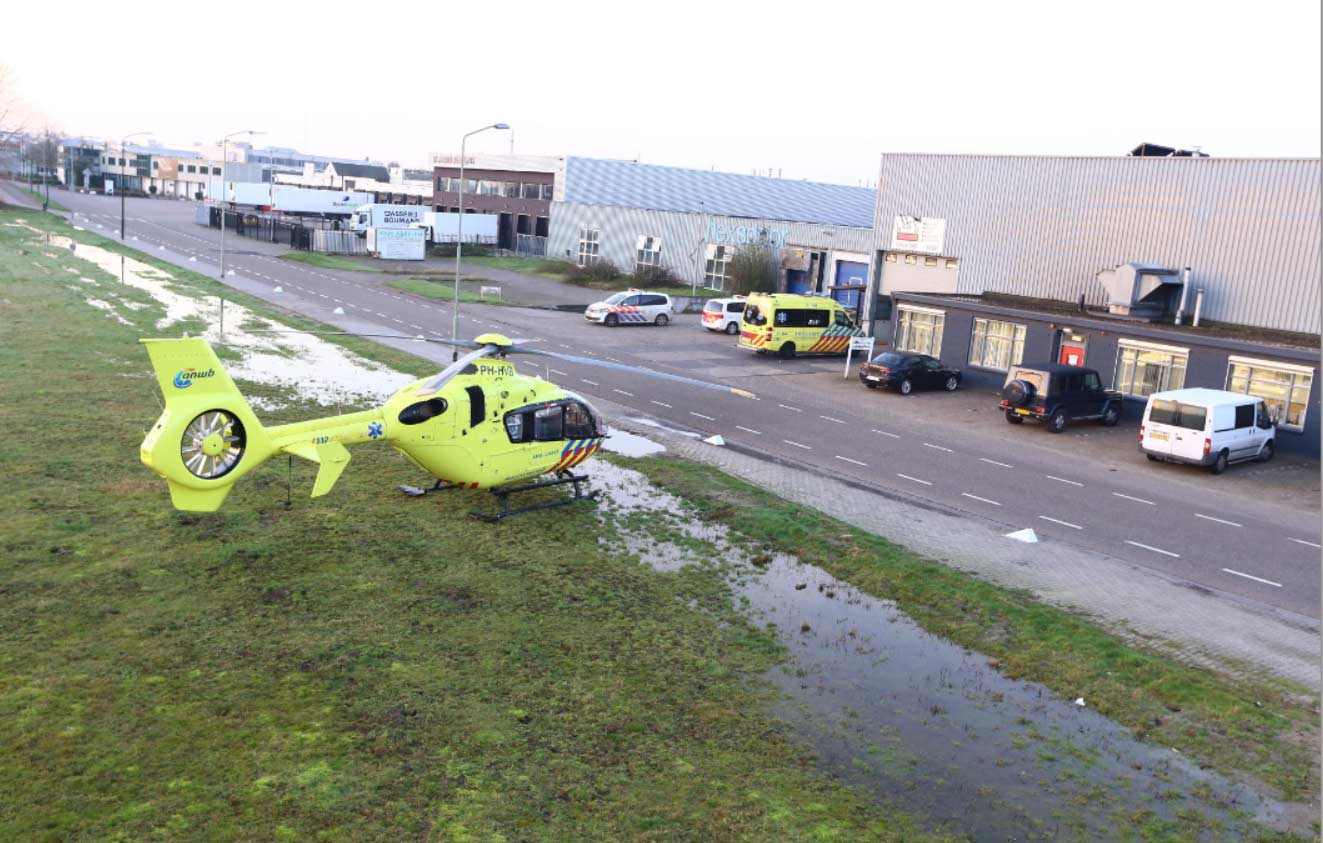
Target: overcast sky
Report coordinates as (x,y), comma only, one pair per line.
(815,90)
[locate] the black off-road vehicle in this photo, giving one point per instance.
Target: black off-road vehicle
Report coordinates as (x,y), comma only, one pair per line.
(1057,395)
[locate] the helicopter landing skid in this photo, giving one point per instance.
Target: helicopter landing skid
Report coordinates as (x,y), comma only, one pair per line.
(504,496)
(418,492)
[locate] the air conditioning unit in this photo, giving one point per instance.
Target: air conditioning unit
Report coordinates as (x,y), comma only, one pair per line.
(1142,291)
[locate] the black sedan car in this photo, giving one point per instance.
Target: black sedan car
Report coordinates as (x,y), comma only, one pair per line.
(908,372)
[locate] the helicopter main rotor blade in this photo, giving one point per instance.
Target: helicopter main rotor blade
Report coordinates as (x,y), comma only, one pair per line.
(442,378)
(413,337)
(624,367)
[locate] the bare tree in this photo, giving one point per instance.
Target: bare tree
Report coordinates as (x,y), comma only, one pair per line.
(11,123)
(753,269)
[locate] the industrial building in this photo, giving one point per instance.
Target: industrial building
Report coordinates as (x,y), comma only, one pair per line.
(691,222)
(518,189)
(1159,272)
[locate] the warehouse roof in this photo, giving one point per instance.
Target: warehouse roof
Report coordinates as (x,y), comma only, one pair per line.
(594,181)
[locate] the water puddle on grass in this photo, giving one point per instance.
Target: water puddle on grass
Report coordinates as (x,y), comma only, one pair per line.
(924,724)
(307,364)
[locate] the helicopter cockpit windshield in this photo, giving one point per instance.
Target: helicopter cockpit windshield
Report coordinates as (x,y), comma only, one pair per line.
(565,419)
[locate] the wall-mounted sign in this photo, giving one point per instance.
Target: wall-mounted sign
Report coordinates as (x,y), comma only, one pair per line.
(743,234)
(925,235)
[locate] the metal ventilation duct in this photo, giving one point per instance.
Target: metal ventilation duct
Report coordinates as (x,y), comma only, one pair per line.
(1141,291)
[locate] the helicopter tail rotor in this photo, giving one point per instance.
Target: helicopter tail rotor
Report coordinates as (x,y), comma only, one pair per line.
(207,436)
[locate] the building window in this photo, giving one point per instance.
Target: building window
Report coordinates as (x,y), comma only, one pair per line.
(919,329)
(192,168)
(716,266)
(489,188)
(649,251)
(996,345)
(1282,386)
(952,263)
(215,171)
(891,257)
(589,243)
(1143,368)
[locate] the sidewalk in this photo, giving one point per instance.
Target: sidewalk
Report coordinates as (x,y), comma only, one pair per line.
(1139,605)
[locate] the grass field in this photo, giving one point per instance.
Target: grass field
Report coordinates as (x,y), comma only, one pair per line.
(365,667)
(554,270)
(1265,731)
(325,261)
(441,288)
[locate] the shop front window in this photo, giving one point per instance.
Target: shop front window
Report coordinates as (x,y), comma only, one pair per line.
(1145,368)
(1283,387)
(996,345)
(919,330)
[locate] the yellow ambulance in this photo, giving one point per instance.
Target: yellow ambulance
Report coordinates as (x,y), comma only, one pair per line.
(786,324)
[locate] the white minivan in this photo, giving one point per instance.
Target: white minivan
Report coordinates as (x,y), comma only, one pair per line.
(1207,427)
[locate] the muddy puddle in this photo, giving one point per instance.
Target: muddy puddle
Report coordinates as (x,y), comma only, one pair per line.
(926,725)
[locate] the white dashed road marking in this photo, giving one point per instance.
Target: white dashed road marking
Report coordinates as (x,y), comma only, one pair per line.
(915,479)
(748,430)
(1062,480)
(1252,577)
(1302,541)
(884,433)
(937,447)
(797,445)
(791,409)
(662,404)
(701,416)
(847,459)
(558,372)
(830,419)
(1154,549)
(590,383)
(623,392)
(1218,520)
(1062,523)
(977,498)
(994,462)
(1133,498)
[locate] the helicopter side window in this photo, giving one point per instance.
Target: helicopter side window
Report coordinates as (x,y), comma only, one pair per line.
(422,411)
(547,424)
(578,422)
(514,427)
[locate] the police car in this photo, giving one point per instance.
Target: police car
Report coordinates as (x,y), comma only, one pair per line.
(631,307)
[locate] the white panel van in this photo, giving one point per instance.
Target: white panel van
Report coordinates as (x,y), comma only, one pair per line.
(1207,427)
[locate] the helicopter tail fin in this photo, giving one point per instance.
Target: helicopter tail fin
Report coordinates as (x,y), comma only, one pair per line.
(207,437)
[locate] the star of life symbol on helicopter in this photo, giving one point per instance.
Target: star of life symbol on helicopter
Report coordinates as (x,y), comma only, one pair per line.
(374,430)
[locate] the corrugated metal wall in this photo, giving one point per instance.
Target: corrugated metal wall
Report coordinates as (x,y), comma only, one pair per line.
(1044,227)
(683,235)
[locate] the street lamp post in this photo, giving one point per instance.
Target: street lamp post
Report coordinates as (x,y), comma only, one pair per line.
(122,141)
(225,142)
(459,240)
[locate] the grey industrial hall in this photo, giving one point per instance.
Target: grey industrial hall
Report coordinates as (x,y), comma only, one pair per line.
(1159,272)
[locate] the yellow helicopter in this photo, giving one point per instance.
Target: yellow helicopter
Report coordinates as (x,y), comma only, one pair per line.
(475,425)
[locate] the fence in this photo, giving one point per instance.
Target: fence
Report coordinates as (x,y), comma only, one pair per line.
(338,242)
(295,232)
(530,245)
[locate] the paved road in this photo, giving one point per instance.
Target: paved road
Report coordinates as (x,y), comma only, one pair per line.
(1235,544)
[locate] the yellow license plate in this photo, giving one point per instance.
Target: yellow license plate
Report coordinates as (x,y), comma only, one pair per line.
(1156,435)
(1023,412)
